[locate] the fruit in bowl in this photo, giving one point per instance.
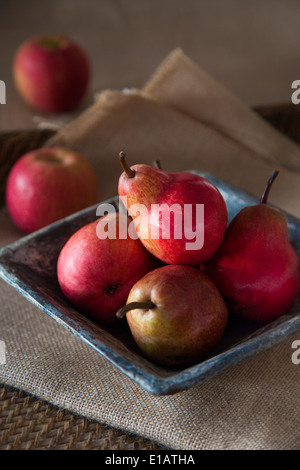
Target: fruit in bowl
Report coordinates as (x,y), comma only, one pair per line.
(176,315)
(96,274)
(51,73)
(47,184)
(180,217)
(256,268)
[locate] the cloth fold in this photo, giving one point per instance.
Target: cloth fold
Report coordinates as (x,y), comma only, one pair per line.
(148,130)
(184,118)
(212,104)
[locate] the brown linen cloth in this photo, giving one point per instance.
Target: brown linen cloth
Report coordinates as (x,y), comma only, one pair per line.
(253,405)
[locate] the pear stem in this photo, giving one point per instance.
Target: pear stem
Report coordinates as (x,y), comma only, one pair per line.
(129,172)
(134,305)
(265,195)
(157,164)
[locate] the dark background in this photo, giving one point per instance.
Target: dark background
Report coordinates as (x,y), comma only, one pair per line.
(251,46)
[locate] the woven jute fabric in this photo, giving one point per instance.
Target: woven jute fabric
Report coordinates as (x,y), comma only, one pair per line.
(252,405)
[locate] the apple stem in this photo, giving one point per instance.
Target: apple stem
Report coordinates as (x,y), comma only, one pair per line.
(157,164)
(265,195)
(134,305)
(129,172)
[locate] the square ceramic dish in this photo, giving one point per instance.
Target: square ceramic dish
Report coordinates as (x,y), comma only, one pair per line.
(29,265)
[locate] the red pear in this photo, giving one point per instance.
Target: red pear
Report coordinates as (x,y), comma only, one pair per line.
(176,315)
(95,274)
(180,217)
(256,268)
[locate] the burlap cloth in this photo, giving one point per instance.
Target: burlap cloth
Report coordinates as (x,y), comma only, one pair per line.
(187,120)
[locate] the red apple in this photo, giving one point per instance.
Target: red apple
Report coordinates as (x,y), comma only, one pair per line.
(48,184)
(96,275)
(51,73)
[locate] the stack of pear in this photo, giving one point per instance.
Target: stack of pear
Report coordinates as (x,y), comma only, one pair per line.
(176,298)
(248,269)
(176,315)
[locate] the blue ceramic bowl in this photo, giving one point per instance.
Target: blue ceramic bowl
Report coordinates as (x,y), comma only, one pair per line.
(29,265)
